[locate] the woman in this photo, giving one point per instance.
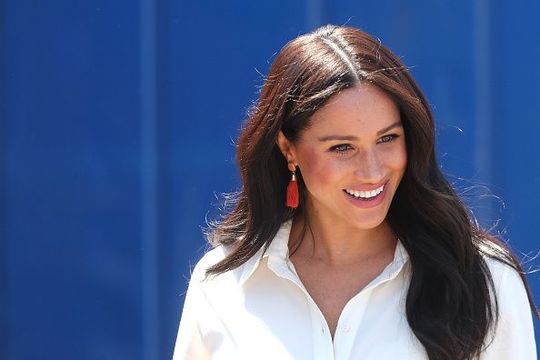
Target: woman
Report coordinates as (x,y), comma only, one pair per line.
(346,241)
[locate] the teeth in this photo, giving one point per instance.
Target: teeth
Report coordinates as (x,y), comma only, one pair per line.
(365,194)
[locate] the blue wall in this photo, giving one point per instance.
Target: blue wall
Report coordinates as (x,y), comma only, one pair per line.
(117,122)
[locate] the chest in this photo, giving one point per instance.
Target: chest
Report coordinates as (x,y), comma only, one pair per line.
(331,290)
(276,319)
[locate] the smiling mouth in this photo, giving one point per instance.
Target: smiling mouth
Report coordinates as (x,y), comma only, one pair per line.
(365,195)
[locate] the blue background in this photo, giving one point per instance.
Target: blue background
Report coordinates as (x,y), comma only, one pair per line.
(117,123)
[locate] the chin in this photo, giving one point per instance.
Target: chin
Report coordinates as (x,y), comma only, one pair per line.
(368,224)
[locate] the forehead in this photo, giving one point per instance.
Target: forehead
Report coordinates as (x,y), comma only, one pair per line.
(363,109)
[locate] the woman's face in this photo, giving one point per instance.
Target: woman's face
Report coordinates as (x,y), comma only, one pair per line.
(352,158)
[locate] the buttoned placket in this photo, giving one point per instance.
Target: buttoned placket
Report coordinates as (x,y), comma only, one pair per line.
(354,310)
(351,316)
(323,347)
(352,313)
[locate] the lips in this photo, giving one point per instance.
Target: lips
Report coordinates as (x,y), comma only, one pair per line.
(365,194)
(368,197)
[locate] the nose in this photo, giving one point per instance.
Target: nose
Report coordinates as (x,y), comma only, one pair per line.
(368,167)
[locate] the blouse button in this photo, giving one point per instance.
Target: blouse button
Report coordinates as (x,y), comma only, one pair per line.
(346,328)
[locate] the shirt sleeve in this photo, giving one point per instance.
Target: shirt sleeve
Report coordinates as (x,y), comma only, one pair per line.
(189,341)
(514,332)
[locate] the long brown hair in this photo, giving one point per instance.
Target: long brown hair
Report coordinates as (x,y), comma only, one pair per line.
(448,305)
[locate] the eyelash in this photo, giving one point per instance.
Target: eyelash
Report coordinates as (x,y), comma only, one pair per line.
(340,148)
(344,148)
(389,137)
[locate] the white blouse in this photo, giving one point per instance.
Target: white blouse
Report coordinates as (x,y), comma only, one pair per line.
(261,310)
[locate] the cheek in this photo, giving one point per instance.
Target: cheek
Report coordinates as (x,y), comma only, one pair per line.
(397,159)
(319,170)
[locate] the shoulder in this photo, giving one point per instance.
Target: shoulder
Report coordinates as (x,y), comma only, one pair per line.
(512,299)
(209,259)
(510,290)
(512,336)
(502,273)
(508,282)
(499,270)
(227,280)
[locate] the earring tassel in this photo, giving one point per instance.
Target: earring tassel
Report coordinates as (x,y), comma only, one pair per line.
(292,193)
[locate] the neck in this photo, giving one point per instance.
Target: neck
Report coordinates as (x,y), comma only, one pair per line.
(339,245)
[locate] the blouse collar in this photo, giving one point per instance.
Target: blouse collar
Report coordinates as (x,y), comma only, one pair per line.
(278,251)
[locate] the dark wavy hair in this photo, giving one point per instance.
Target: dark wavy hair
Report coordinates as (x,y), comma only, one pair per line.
(448,305)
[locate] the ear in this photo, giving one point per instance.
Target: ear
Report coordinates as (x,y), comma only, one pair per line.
(287,148)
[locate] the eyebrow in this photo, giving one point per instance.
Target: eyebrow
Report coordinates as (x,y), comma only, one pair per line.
(352,137)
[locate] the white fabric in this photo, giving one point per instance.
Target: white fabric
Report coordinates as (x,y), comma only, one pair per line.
(261,310)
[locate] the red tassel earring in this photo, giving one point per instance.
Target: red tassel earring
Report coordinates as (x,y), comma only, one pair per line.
(292,191)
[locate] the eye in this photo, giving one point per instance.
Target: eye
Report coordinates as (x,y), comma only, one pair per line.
(388,138)
(341,148)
